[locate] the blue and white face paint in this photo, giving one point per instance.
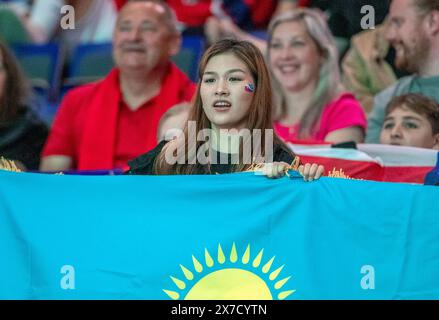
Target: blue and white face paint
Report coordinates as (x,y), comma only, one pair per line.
(250,87)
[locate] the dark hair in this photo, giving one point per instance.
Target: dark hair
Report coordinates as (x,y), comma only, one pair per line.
(260,112)
(16,89)
(419,104)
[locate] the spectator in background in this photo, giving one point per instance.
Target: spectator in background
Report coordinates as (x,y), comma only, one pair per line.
(312,104)
(344,19)
(411,120)
(310,99)
(345,16)
(366,66)
(414,33)
(104,124)
(220,27)
(247,14)
(94,21)
(22,133)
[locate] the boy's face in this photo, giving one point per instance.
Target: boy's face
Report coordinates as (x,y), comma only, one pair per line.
(404,127)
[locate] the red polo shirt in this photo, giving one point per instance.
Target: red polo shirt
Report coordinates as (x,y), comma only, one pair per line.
(136,133)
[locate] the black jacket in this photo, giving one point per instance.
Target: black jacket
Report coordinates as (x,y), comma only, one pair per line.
(23,139)
(144,164)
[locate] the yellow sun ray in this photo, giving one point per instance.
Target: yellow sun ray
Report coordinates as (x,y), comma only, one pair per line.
(221,256)
(281,283)
(267,266)
(172,294)
(209,260)
(246,256)
(258,259)
(275,273)
(230,282)
(180,284)
(197,265)
(233,254)
(188,275)
(285,294)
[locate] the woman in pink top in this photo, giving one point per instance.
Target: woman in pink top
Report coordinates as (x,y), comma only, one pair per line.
(303,59)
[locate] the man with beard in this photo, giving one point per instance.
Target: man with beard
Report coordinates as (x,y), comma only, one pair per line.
(414,33)
(103,125)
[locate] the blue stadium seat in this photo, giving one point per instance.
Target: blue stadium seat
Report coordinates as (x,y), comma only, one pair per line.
(90,62)
(261,34)
(189,56)
(42,64)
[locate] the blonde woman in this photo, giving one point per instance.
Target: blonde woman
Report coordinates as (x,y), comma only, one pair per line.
(312,104)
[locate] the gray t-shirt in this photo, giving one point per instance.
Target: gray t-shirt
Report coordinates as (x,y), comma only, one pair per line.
(412,84)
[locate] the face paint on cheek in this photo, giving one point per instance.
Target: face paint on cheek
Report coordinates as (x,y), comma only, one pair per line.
(250,87)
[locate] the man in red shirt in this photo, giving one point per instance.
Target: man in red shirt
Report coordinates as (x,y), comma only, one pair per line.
(103,125)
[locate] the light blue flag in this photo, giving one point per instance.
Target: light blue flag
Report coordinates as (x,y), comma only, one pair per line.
(235,236)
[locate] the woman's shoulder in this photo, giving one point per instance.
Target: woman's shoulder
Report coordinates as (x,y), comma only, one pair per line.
(344,111)
(144,164)
(344,98)
(344,103)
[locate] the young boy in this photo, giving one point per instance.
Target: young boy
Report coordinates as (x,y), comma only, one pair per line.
(411,120)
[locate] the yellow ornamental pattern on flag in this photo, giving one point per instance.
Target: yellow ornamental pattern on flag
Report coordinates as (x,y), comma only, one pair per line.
(8,165)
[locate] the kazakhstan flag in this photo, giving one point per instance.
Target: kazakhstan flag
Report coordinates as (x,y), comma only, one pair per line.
(235,236)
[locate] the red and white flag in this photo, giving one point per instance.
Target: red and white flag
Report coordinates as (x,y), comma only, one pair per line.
(371,161)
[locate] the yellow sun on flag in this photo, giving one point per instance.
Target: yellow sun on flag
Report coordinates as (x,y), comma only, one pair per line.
(230,277)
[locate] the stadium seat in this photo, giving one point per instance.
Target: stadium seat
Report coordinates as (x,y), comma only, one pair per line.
(42,64)
(12,31)
(261,34)
(189,56)
(90,62)
(342,46)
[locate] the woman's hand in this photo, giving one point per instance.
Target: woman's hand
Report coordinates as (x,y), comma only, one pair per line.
(308,171)
(311,172)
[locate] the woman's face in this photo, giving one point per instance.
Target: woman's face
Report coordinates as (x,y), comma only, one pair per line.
(2,76)
(225,100)
(403,127)
(294,57)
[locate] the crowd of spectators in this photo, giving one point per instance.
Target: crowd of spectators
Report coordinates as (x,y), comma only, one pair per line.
(331,80)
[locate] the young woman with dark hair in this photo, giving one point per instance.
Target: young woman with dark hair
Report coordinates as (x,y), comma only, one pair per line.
(233,98)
